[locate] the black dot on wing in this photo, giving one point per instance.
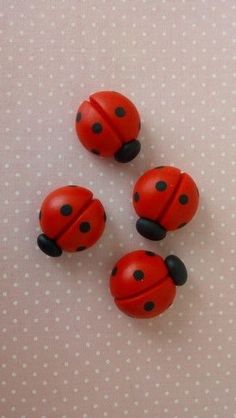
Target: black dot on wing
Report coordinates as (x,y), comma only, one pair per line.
(97,128)
(120,112)
(66,210)
(183,199)
(82,248)
(114,271)
(136,197)
(95,151)
(78,117)
(85,227)
(149,306)
(161,186)
(150,253)
(138,275)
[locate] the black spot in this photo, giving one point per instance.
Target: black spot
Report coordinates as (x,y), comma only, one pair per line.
(95,151)
(97,128)
(105,216)
(181,225)
(138,275)
(40,215)
(81,248)
(120,112)
(159,167)
(85,227)
(136,197)
(149,306)
(183,199)
(161,186)
(66,210)
(114,271)
(78,117)
(150,253)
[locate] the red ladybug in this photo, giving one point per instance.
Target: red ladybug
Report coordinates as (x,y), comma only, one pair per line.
(144,285)
(107,124)
(71,220)
(165,199)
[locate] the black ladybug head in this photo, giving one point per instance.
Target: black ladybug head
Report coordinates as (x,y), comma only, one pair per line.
(48,246)
(150,229)
(128,151)
(177,270)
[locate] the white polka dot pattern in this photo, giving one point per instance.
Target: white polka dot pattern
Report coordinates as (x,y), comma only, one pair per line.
(66,351)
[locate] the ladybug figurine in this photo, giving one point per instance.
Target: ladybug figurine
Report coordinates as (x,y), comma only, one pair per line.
(71,220)
(165,199)
(107,124)
(144,285)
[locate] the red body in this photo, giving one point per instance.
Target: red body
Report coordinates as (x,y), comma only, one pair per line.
(71,217)
(106,121)
(167,196)
(141,285)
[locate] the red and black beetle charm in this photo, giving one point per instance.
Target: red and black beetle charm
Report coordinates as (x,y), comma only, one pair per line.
(144,285)
(71,220)
(107,124)
(165,199)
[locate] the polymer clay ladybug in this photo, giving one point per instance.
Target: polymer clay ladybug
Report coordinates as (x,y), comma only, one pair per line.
(71,220)
(107,124)
(144,285)
(165,199)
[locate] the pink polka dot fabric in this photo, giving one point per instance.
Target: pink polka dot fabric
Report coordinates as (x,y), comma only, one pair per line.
(66,350)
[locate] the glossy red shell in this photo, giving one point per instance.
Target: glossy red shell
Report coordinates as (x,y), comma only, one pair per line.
(106,121)
(141,285)
(64,211)
(166,195)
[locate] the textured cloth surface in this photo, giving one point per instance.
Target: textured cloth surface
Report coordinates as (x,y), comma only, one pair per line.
(66,351)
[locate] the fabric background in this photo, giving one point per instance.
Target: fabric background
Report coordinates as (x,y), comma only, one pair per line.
(66,351)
